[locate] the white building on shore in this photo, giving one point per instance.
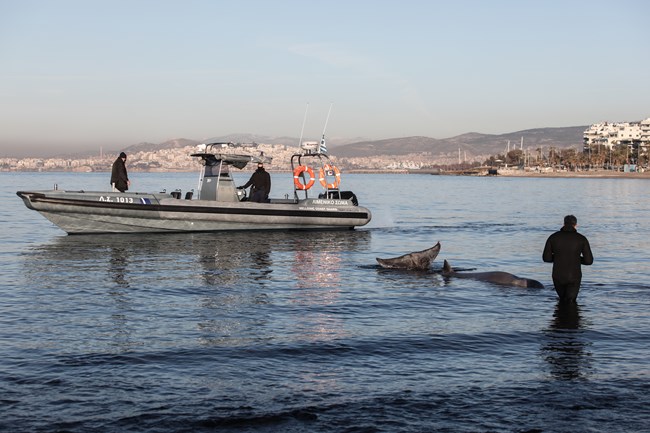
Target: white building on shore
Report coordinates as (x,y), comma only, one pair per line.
(611,134)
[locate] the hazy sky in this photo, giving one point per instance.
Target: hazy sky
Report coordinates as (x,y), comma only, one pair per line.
(84,74)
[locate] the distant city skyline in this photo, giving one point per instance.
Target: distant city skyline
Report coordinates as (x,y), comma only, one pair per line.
(77,76)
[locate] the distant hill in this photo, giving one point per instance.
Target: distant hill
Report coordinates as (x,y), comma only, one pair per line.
(169,144)
(234,138)
(473,143)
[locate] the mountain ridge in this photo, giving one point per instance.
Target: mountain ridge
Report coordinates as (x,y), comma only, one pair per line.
(472,143)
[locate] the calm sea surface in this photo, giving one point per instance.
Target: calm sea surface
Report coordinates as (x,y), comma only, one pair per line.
(302,332)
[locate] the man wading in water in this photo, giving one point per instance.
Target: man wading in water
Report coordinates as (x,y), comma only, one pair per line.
(567,250)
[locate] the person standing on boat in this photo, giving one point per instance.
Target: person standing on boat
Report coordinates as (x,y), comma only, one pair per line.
(261,182)
(567,250)
(119,178)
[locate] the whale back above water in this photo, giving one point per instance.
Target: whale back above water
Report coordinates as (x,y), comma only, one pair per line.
(417,260)
(496,277)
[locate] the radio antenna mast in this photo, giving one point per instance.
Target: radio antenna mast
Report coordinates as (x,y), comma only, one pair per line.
(328,119)
(323,148)
(303,125)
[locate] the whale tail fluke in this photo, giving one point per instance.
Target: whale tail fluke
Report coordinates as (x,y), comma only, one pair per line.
(446,268)
(417,260)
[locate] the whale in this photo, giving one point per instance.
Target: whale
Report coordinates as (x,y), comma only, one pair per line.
(501,278)
(417,260)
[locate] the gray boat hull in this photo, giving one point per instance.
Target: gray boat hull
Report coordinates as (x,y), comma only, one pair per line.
(86,212)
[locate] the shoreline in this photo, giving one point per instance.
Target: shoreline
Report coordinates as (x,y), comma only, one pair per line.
(602,174)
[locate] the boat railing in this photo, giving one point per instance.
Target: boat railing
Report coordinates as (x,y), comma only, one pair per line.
(310,168)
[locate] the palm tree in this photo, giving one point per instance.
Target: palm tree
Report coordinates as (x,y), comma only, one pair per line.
(553,157)
(570,158)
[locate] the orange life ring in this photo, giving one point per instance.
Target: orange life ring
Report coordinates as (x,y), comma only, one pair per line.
(298,174)
(337,176)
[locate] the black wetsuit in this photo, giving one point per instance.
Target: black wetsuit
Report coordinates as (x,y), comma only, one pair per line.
(119,176)
(261,181)
(567,250)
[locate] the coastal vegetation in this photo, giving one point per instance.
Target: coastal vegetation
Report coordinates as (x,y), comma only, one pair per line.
(593,156)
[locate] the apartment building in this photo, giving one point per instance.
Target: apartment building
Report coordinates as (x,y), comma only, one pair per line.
(610,134)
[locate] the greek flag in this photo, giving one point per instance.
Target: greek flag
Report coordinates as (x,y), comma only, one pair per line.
(322,148)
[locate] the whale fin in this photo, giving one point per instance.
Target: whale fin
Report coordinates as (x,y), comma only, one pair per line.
(446,268)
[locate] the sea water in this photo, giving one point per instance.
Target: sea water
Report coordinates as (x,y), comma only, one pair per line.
(303,332)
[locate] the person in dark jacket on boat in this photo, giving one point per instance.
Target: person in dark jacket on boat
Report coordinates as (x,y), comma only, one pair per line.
(119,177)
(567,250)
(261,182)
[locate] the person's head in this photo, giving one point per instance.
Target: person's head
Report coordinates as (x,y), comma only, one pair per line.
(570,221)
(260,166)
(123,155)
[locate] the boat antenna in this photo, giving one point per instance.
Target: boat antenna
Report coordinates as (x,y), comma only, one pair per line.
(323,148)
(303,126)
